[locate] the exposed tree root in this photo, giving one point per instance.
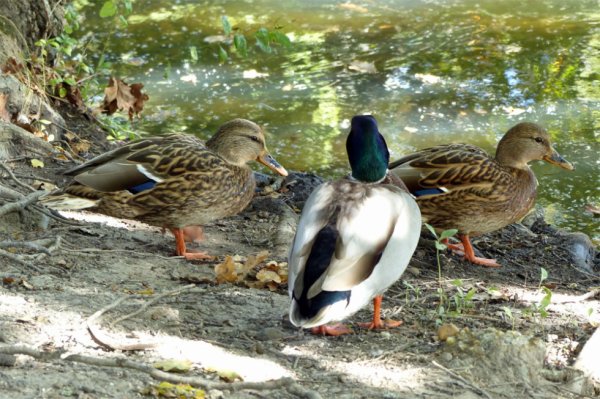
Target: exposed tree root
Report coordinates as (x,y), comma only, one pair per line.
(282,383)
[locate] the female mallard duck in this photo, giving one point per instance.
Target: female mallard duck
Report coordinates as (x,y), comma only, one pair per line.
(354,238)
(459,186)
(172,181)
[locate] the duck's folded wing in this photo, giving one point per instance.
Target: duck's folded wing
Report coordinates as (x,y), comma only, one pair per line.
(445,169)
(141,164)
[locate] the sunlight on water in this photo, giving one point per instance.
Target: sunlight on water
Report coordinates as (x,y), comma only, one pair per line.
(432,72)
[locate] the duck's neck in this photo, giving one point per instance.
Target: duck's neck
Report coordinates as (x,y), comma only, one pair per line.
(368,159)
(508,157)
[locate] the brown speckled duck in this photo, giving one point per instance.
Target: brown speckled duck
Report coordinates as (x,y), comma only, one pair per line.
(459,186)
(172,181)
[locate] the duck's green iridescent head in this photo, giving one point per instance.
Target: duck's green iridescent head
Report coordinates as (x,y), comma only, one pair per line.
(367,151)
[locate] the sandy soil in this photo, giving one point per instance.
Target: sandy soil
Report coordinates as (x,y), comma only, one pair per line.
(505,347)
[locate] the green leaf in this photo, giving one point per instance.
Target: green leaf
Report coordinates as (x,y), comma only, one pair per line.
(109,9)
(507,312)
(123,20)
(544,275)
(223,56)
(70,81)
(226,25)
(128,6)
(440,247)
(241,45)
(431,230)
(36,163)
(262,40)
(62,92)
(174,365)
(448,233)
(457,282)
(194,53)
(281,38)
(470,294)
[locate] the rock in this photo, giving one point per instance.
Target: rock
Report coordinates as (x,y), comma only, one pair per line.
(498,356)
(491,357)
(300,186)
(446,331)
(536,215)
(581,249)
(587,361)
(21,100)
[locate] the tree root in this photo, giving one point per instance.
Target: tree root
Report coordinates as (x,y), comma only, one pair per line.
(109,342)
(286,382)
(463,381)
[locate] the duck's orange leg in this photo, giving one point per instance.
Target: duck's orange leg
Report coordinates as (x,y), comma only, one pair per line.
(377,323)
(332,330)
(466,249)
(181,249)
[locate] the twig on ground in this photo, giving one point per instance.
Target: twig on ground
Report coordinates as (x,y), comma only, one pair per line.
(15,179)
(17,258)
(151,302)
(286,382)
(111,343)
(463,380)
(21,204)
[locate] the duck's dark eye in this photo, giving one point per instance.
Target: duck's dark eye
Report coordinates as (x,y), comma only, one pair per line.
(539,140)
(254,138)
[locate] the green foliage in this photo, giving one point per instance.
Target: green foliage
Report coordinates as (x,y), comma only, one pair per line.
(440,246)
(265,40)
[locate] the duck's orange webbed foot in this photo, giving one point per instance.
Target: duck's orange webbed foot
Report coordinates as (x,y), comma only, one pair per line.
(466,249)
(333,330)
(377,323)
(181,248)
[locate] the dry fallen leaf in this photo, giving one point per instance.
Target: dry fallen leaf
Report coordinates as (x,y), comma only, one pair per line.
(36,163)
(224,374)
(362,66)
(226,271)
(119,96)
(4,114)
(174,365)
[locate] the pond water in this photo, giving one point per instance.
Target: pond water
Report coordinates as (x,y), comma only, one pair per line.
(431,72)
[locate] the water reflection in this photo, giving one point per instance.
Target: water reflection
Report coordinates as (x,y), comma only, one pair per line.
(431,72)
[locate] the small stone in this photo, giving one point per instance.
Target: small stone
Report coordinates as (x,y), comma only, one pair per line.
(259,348)
(446,357)
(446,330)
(270,334)
(414,271)
(385,334)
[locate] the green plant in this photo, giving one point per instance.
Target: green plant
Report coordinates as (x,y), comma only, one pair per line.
(440,246)
(462,299)
(411,288)
(509,314)
(541,307)
(265,40)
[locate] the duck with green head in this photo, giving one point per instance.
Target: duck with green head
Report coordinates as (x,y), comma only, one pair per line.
(460,186)
(172,181)
(354,239)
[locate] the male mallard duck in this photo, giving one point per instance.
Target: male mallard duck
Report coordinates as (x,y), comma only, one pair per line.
(354,239)
(172,181)
(459,186)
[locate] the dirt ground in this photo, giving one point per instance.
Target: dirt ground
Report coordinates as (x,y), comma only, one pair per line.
(508,344)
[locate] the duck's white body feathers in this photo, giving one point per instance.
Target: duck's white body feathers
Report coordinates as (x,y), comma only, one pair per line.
(353,241)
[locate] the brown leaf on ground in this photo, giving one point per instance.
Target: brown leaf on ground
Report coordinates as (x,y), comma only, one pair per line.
(12,66)
(71,94)
(4,114)
(140,99)
(254,260)
(226,271)
(77,144)
(119,96)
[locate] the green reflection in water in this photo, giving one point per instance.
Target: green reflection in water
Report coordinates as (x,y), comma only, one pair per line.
(431,71)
